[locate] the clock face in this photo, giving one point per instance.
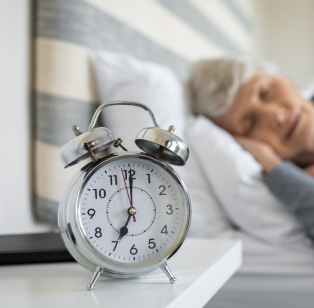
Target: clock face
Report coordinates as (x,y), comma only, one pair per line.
(132,211)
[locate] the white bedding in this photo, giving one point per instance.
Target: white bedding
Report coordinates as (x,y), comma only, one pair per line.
(271,277)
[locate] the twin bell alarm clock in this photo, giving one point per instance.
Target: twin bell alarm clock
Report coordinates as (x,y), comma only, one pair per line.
(125,214)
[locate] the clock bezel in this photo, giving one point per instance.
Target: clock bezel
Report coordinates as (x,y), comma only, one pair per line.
(77,243)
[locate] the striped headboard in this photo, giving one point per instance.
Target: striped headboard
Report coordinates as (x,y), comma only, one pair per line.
(169,32)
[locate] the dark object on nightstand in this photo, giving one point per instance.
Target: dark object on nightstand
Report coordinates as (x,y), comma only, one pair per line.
(33,248)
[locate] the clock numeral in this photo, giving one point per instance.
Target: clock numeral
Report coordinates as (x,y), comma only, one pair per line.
(130,172)
(169,206)
(148,175)
(91,213)
(115,246)
(133,250)
(101,193)
(164,230)
(151,243)
(162,192)
(98,232)
(115,179)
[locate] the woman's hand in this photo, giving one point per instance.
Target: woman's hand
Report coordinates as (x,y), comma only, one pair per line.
(310,170)
(262,152)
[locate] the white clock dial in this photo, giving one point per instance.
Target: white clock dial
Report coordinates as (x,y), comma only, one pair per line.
(155,197)
(145,207)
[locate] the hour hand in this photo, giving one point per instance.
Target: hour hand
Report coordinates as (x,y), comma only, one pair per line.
(123,231)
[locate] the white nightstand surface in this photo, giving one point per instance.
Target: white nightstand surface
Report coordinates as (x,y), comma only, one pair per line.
(201,267)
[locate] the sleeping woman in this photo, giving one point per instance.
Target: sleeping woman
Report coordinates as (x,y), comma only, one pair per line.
(267,115)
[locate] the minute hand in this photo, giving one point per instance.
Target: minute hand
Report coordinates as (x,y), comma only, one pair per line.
(126,188)
(131,188)
(131,191)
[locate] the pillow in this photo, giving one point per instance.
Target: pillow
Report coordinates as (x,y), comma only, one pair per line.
(122,77)
(237,181)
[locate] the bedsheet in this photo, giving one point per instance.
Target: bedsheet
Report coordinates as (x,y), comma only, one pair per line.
(271,276)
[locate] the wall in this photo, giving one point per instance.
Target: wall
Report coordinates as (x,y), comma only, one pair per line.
(285,32)
(15,204)
(15,181)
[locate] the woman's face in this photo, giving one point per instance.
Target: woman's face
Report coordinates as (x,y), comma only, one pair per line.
(270,108)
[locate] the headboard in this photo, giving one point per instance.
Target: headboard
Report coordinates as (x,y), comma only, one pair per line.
(169,32)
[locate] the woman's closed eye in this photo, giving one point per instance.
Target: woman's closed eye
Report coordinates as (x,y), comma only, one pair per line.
(265,93)
(251,127)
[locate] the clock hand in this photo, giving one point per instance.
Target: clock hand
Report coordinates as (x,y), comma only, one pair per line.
(131,191)
(124,230)
(134,219)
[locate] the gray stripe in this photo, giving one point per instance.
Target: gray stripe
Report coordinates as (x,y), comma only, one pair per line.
(239,14)
(78,22)
(46,210)
(55,117)
(191,15)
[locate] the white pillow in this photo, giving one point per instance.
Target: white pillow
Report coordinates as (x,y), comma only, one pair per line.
(237,181)
(122,77)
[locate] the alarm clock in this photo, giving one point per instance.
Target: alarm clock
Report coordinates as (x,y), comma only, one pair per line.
(124,214)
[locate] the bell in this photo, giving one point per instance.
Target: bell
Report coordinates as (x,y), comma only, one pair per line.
(85,145)
(163,144)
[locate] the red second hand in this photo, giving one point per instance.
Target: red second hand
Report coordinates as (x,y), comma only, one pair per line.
(134,219)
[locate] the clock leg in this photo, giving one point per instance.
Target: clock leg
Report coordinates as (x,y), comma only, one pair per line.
(165,268)
(96,275)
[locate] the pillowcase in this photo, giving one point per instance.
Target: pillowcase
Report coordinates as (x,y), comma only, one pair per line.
(237,181)
(122,77)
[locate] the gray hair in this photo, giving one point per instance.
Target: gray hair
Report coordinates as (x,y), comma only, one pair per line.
(213,83)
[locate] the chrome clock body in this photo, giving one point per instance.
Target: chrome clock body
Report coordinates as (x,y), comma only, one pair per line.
(124,230)
(78,242)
